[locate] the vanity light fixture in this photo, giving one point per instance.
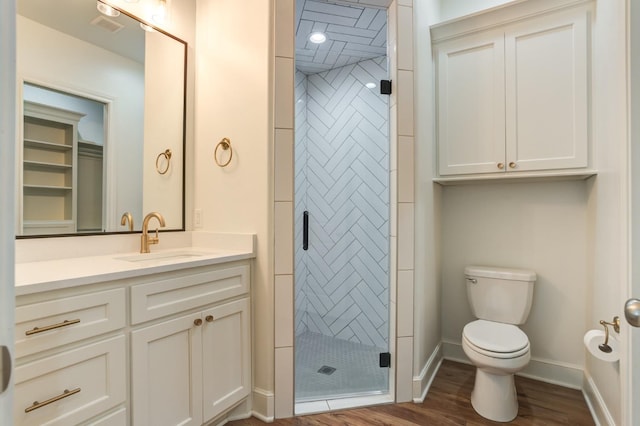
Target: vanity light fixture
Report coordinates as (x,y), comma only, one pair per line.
(317,37)
(147,28)
(105,9)
(160,15)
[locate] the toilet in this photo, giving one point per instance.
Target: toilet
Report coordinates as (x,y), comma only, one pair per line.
(501,300)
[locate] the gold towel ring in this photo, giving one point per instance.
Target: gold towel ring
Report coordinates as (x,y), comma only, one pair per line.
(167,155)
(225,143)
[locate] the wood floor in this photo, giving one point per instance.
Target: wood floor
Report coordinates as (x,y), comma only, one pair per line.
(448,403)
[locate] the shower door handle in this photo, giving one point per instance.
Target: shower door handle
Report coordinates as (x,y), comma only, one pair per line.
(305,230)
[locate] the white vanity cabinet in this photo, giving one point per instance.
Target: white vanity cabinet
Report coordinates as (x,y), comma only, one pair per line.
(513,92)
(155,345)
(189,368)
(70,357)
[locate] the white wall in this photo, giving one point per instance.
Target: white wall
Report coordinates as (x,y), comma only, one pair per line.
(233,80)
(451,9)
(608,221)
(428,234)
(537,226)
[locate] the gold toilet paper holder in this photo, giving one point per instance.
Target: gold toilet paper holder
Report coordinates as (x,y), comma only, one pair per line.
(604,347)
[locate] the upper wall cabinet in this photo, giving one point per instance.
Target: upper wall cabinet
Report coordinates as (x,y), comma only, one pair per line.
(513,98)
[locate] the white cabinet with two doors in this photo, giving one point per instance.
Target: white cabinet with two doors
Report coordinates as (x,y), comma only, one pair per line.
(190,368)
(513,92)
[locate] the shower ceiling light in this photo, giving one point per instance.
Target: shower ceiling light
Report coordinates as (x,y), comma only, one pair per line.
(371,85)
(317,38)
(105,9)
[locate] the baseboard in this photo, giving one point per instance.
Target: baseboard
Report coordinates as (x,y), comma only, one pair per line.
(422,382)
(595,402)
(557,373)
(263,405)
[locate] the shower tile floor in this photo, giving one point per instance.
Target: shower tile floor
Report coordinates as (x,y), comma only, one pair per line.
(357,369)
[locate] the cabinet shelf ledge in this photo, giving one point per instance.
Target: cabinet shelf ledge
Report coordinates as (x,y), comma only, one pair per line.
(45,165)
(47,145)
(512,177)
(48,187)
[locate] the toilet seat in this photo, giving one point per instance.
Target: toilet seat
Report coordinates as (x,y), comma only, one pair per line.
(495,340)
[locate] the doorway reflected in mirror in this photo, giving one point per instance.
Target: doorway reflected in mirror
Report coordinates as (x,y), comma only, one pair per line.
(63,163)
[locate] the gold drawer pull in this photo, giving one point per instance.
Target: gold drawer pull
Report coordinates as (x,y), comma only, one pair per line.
(64,394)
(64,323)
(209,318)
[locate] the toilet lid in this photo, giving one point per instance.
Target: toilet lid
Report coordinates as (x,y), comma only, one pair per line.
(495,336)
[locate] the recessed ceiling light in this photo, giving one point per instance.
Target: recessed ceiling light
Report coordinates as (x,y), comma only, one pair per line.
(317,38)
(371,85)
(105,9)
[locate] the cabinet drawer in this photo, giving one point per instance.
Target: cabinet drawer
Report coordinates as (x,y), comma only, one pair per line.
(119,418)
(94,377)
(165,297)
(46,325)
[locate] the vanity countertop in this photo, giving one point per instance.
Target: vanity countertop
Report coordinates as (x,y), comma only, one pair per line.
(35,277)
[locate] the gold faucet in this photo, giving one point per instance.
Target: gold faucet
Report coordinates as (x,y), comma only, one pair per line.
(145,239)
(127,217)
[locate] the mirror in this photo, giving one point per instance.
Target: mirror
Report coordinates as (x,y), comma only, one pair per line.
(103,113)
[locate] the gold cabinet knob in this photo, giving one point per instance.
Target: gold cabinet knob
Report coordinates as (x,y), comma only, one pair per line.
(209,318)
(513,164)
(197,321)
(501,166)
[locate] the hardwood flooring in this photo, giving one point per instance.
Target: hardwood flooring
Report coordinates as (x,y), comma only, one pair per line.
(448,403)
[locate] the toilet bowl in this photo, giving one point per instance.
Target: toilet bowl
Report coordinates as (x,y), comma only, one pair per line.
(501,299)
(498,351)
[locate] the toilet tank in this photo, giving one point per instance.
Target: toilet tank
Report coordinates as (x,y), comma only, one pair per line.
(500,294)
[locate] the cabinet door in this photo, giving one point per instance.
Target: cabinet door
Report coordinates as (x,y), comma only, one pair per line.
(470,104)
(547,92)
(226,357)
(165,370)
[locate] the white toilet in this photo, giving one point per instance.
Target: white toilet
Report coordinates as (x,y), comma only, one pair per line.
(501,299)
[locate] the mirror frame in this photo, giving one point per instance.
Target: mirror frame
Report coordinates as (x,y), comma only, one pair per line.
(184,135)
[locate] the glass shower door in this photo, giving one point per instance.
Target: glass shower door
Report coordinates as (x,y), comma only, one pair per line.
(342,233)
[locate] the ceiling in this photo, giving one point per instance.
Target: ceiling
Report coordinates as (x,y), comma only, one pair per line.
(356,31)
(81,19)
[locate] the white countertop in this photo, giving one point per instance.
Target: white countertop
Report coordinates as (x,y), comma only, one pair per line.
(54,274)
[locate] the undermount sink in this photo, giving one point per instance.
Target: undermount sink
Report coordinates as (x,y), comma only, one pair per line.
(145,257)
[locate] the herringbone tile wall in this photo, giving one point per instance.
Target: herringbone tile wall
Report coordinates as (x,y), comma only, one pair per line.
(342,179)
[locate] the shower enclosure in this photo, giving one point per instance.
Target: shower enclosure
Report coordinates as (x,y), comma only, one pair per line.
(341,203)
